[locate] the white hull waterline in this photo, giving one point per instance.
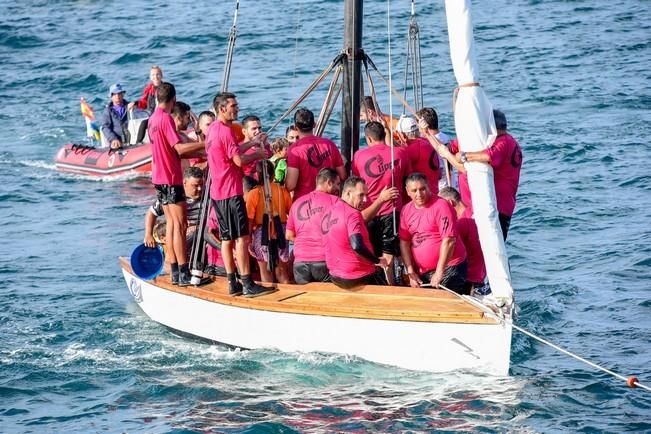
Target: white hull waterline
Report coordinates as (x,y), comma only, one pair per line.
(472,343)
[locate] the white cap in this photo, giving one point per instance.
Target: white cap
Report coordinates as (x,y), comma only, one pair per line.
(407,124)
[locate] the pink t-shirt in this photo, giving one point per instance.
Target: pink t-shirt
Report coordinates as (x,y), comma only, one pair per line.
(309,155)
(464,187)
(342,261)
(225,175)
(166,164)
(467,230)
(305,220)
(249,168)
(373,165)
(425,228)
(506,159)
(425,160)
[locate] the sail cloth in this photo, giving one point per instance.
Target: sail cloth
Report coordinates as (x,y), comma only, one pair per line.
(475,128)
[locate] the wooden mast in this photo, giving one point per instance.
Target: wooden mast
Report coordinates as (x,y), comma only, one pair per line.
(353,14)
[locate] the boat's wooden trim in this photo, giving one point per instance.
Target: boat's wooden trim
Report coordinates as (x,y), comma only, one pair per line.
(367,302)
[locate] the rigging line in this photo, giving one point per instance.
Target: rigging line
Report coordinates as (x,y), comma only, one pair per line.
(393,90)
(336,61)
(232,35)
(296,31)
(393,180)
(351,62)
(630,381)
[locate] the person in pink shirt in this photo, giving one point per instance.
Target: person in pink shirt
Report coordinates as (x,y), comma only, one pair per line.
(167,176)
(251,127)
(225,158)
(431,249)
(422,156)
(374,166)
(349,253)
(467,230)
(505,156)
(309,155)
(304,228)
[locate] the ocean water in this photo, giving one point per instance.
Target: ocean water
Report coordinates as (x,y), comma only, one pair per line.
(78,355)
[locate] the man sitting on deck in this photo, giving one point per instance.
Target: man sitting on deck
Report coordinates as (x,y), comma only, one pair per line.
(309,155)
(431,249)
(467,230)
(374,166)
(349,253)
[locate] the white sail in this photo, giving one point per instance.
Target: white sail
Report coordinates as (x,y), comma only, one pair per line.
(475,128)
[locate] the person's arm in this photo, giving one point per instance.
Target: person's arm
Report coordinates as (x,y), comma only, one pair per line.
(291,178)
(357,243)
(408,261)
(107,127)
(445,252)
(290,235)
(150,221)
(190,149)
(477,156)
(388,193)
(246,159)
(258,140)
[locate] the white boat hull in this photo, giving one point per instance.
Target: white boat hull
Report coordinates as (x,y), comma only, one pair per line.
(425,346)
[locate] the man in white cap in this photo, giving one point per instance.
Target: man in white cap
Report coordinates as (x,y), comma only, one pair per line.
(114,118)
(422,155)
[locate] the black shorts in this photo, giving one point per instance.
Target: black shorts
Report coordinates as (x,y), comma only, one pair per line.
(169,194)
(505,223)
(231,215)
(454,278)
(306,272)
(376,278)
(380,231)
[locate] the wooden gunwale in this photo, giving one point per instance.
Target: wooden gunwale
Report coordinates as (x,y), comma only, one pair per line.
(366,302)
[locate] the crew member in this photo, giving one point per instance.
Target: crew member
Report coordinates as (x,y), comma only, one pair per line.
(291,134)
(431,249)
(167,176)
(505,156)
(226,190)
(369,111)
(467,230)
(256,207)
(192,187)
(349,253)
(252,127)
(309,155)
(375,167)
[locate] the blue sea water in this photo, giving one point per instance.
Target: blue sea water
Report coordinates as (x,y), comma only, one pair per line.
(77,354)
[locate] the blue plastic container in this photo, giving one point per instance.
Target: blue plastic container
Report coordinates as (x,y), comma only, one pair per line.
(147,262)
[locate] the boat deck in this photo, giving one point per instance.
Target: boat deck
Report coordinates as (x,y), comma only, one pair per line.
(368,302)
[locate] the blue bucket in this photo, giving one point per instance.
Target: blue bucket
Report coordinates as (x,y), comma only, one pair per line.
(147,262)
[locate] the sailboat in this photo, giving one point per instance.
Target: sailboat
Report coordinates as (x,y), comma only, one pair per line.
(411,328)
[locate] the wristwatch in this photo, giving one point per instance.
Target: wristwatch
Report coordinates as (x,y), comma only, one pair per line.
(464,158)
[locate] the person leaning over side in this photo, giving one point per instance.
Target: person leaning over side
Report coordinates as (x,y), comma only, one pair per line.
(309,155)
(115,119)
(505,156)
(467,230)
(167,176)
(431,249)
(225,158)
(349,253)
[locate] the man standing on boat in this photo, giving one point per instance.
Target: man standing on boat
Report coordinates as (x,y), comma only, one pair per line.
(309,155)
(167,176)
(349,253)
(505,156)
(375,167)
(225,159)
(431,249)
(422,155)
(251,127)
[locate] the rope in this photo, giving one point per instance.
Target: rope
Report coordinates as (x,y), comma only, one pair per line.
(630,381)
(335,61)
(329,102)
(393,180)
(456,93)
(393,89)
